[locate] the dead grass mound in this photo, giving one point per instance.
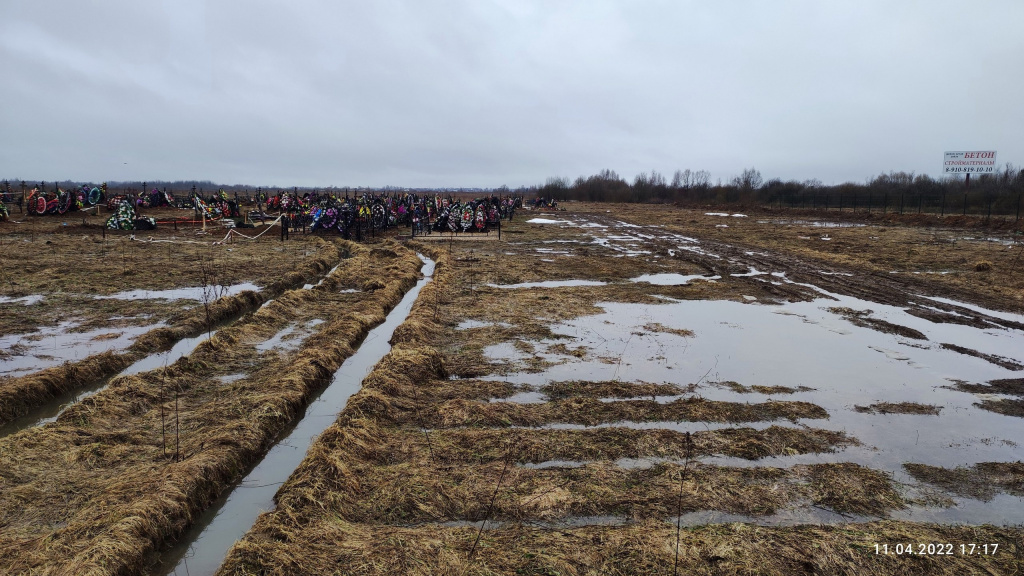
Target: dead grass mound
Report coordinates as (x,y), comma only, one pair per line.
(899,408)
(20,395)
(658,327)
(1008,386)
(1004,406)
(99,491)
(592,411)
(410,493)
(610,389)
(983,481)
(646,547)
(761,389)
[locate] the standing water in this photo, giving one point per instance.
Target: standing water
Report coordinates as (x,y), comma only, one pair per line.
(203,548)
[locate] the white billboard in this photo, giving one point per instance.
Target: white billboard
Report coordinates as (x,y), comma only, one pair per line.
(970,162)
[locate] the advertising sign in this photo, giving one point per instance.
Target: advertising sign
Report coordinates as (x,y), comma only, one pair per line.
(972,162)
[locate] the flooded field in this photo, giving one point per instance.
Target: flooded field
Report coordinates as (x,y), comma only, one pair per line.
(565,402)
(608,389)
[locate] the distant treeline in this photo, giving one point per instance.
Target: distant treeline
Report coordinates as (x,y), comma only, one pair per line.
(997,193)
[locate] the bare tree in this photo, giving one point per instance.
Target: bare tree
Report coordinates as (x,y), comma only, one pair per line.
(748,181)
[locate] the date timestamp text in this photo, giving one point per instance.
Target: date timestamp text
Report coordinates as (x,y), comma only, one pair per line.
(935,549)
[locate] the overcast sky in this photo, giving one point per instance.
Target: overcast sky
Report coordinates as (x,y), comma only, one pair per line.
(485,93)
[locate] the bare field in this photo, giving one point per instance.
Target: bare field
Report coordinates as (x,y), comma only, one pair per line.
(77,306)
(610,389)
(641,389)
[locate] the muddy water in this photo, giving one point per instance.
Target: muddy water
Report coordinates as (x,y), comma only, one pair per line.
(54,345)
(808,344)
(55,407)
(199,293)
(805,344)
(203,548)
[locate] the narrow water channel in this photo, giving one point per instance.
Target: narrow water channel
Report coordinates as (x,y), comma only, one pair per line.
(202,549)
(54,408)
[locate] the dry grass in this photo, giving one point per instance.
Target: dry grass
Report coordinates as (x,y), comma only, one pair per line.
(411,493)
(761,389)
(591,411)
(20,394)
(658,327)
(331,545)
(899,408)
(1004,406)
(981,481)
(610,389)
(910,248)
(1009,386)
(96,492)
(415,451)
(369,442)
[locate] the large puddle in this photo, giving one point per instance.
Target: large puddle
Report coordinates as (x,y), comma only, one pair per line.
(813,345)
(55,407)
(53,345)
(208,293)
(203,548)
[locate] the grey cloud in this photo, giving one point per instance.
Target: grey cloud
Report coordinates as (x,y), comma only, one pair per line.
(502,92)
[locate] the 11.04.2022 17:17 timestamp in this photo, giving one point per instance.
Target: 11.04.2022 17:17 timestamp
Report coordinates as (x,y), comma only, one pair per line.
(936,549)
